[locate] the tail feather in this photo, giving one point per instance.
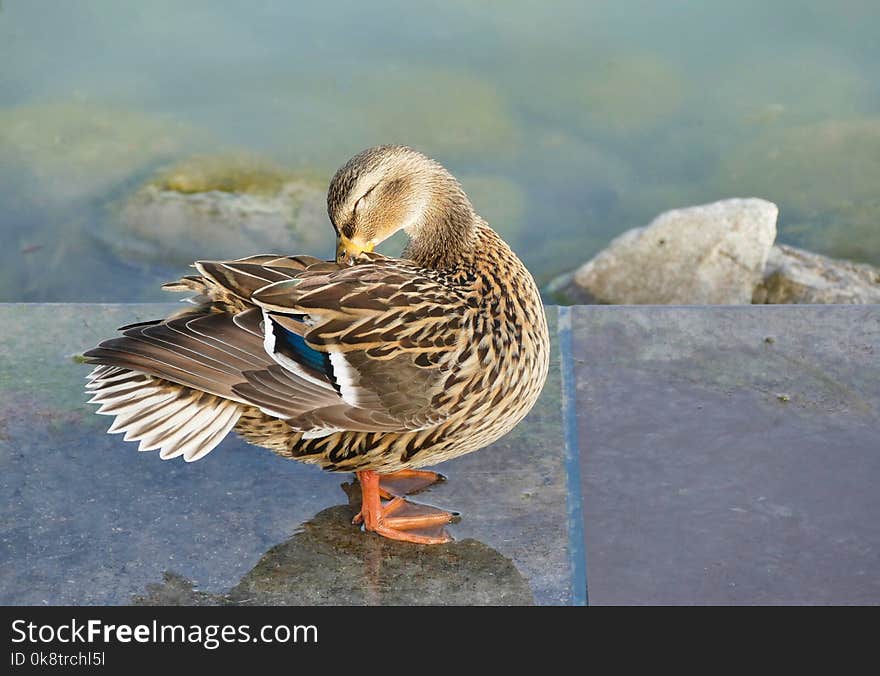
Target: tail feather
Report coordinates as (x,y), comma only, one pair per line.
(161,415)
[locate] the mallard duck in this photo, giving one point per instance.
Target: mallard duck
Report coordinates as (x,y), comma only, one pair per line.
(365,364)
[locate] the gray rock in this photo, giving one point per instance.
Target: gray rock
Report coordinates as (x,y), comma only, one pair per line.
(797,276)
(709,254)
(176,226)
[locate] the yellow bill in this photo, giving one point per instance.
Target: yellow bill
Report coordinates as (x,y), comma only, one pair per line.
(347,248)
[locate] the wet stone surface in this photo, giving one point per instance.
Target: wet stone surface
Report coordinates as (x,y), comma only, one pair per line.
(730,455)
(727,455)
(89,520)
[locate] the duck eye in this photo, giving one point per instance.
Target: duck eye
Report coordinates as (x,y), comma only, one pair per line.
(360,202)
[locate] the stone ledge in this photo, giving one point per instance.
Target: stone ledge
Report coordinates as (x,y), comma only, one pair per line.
(92,521)
(730,455)
(727,454)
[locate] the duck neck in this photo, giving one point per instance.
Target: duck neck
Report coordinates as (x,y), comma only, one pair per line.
(445,236)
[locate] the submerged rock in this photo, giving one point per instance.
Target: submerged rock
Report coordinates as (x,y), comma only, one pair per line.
(797,276)
(709,254)
(784,90)
(61,163)
(824,175)
(219,208)
(74,150)
(618,94)
(447,113)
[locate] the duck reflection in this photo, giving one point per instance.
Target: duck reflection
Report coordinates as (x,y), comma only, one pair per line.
(329,562)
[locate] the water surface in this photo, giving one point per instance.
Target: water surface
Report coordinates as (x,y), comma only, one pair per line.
(567,122)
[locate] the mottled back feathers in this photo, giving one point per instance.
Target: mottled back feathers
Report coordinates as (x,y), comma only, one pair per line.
(378,363)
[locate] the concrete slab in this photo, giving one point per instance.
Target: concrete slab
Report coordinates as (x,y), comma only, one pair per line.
(88,520)
(730,455)
(723,455)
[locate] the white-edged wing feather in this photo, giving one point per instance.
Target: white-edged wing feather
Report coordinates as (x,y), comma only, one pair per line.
(175,420)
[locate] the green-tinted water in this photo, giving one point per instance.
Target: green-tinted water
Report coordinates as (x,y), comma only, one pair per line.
(567,122)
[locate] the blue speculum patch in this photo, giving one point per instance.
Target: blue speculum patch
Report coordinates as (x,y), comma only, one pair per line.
(295,347)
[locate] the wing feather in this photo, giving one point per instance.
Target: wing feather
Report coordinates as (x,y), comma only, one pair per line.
(161,415)
(390,332)
(325,347)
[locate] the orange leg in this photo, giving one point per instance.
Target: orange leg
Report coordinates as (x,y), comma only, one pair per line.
(405,482)
(399,519)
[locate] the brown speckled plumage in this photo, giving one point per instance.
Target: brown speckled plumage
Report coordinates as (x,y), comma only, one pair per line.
(371,363)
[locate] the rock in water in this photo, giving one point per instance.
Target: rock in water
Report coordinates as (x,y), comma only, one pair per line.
(709,254)
(797,276)
(209,208)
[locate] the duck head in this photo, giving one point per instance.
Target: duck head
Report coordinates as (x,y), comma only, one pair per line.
(389,188)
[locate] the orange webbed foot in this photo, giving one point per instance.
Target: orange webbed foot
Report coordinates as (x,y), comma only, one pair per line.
(400,519)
